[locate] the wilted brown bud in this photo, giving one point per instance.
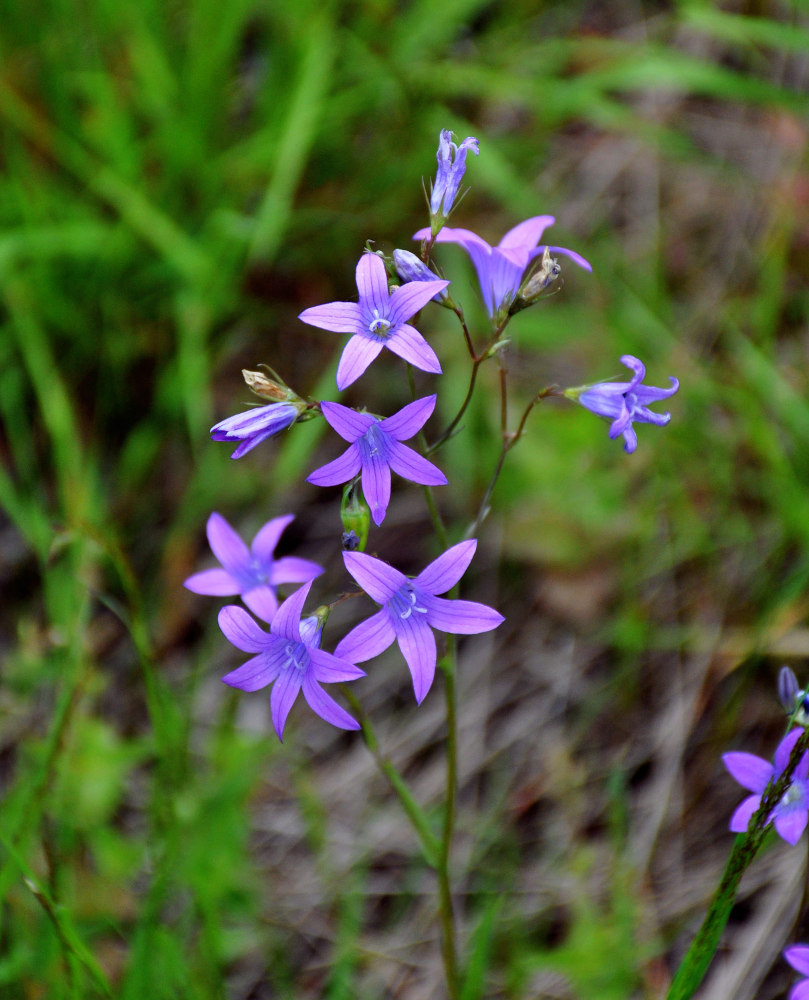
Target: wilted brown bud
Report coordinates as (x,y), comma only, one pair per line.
(263,386)
(549,271)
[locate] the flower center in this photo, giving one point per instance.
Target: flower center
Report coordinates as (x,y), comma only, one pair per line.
(374,440)
(404,603)
(296,656)
(379,326)
(631,401)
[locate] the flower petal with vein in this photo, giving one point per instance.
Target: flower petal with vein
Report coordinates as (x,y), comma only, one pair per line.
(253,573)
(376,448)
(625,403)
(377,321)
(288,657)
(411,609)
(500,269)
(754,773)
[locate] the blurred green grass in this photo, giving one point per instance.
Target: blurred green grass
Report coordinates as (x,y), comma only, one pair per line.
(179,180)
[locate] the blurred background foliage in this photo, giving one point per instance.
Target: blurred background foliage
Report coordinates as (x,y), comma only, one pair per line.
(179,179)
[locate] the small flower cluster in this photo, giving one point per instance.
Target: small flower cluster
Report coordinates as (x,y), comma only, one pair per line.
(391,292)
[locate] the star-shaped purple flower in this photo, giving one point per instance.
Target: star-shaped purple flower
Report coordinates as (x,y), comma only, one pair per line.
(290,656)
(625,402)
(500,269)
(754,773)
(451,168)
(253,573)
(378,320)
(411,609)
(798,957)
(252,427)
(376,449)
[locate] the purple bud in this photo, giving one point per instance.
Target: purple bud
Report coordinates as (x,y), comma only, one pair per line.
(451,168)
(409,267)
(788,689)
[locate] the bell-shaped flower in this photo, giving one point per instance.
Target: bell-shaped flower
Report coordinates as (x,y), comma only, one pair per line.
(378,320)
(625,403)
(288,657)
(754,773)
(252,427)
(253,573)
(500,269)
(376,449)
(411,609)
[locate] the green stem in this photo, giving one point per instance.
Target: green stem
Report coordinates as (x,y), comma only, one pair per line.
(703,948)
(477,361)
(509,440)
(429,842)
(446,434)
(72,945)
(446,910)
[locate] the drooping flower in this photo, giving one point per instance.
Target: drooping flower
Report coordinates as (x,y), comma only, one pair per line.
(755,773)
(378,320)
(409,267)
(411,609)
(252,427)
(451,168)
(376,449)
(798,957)
(625,402)
(500,269)
(290,656)
(253,573)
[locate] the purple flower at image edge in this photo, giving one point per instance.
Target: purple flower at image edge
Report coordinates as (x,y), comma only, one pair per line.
(252,427)
(411,609)
(376,449)
(798,957)
(451,168)
(754,773)
(288,657)
(252,573)
(500,269)
(625,403)
(377,321)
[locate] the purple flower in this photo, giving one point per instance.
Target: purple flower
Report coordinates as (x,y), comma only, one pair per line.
(500,269)
(253,573)
(252,427)
(798,957)
(290,656)
(754,773)
(410,609)
(450,171)
(378,320)
(625,402)
(409,267)
(376,449)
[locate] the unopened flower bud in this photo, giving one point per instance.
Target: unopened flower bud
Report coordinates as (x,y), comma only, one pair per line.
(794,700)
(787,688)
(409,267)
(356,517)
(451,167)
